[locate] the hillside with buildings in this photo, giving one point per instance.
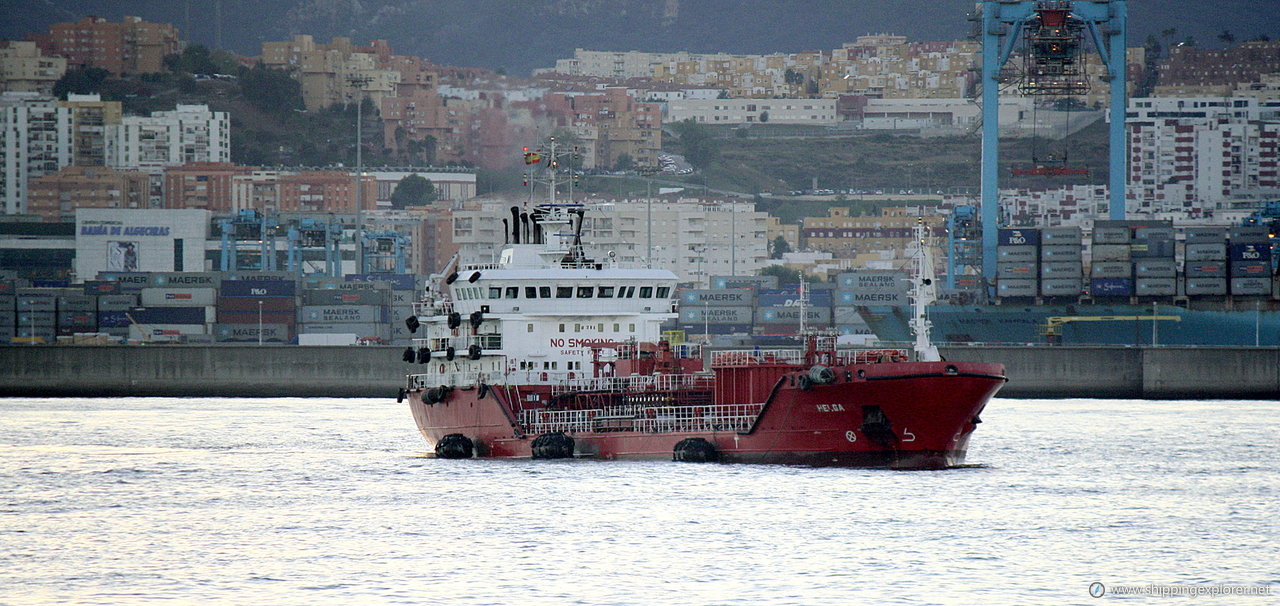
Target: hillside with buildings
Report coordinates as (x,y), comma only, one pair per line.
(871,130)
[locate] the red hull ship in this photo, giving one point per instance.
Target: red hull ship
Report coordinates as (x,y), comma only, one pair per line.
(545,353)
(866,408)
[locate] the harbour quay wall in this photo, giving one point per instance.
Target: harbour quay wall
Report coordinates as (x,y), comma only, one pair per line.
(378,371)
(1132,372)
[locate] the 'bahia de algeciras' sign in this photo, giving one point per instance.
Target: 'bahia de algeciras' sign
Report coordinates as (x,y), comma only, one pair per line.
(122,230)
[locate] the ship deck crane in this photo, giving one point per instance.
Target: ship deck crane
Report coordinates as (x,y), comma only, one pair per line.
(1052,327)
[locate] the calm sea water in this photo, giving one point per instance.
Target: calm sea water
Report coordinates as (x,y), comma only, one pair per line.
(329,501)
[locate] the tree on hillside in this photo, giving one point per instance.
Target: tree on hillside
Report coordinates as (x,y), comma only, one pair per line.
(700,146)
(80,82)
(271,90)
(778,247)
(414,190)
(198,59)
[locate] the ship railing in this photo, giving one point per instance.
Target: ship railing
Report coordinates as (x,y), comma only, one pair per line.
(460,344)
(657,419)
(748,357)
(432,308)
(752,357)
(453,379)
(635,383)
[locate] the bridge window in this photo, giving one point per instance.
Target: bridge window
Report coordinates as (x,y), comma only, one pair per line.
(664,292)
(631,328)
(615,327)
(495,292)
(544,292)
(585,292)
(564,292)
(646,292)
(631,292)
(531,292)
(513,292)
(562,328)
(606,292)
(530,328)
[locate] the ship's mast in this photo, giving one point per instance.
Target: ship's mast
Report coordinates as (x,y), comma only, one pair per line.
(923,293)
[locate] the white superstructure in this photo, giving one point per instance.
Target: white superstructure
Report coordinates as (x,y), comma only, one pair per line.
(534,316)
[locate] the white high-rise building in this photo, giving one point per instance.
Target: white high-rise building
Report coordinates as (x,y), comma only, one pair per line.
(693,237)
(35,140)
(1195,157)
(189,133)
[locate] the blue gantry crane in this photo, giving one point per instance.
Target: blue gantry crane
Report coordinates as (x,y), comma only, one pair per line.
(385,252)
(314,247)
(1052,32)
(248,241)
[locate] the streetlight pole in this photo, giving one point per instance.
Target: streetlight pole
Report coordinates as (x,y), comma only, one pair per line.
(259,322)
(359,83)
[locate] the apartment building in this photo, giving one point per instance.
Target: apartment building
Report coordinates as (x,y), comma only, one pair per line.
(132,46)
(56,197)
(693,237)
(1213,72)
(189,133)
(24,68)
(847,236)
(1199,156)
(202,185)
(335,73)
(35,140)
(612,123)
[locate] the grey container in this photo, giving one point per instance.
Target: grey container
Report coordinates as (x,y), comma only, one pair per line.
(362,314)
(1152,249)
(1060,235)
(715,314)
(1248,233)
(1110,235)
(1155,232)
(1111,269)
(36,318)
(1155,287)
(87,303)
(248,333)
(346,297)
(1061,252)
(1155,268)
(1017,270)
(1061,269)
(1203,251)
(1206,235)
(791,315)
(404,297)
(1111,252)
(117,302)
(1206,286)
(1250,286)
(1060,287)
(1017,253)
(47,303)
(1017,288)
(1205,269)
(361,330)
